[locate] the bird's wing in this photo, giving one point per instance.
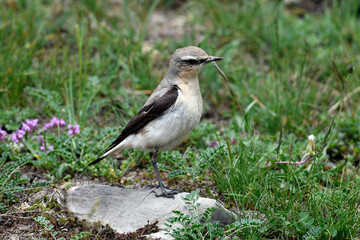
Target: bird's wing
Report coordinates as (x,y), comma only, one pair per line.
(144,116)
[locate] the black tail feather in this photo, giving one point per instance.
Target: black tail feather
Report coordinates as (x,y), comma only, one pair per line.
(96,161)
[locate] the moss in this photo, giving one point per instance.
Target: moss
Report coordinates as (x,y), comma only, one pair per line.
(62,221)
(34,190)
(53,205)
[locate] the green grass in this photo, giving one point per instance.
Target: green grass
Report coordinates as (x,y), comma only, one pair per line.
(86,62)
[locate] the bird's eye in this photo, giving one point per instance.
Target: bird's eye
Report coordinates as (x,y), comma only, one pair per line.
(193,61)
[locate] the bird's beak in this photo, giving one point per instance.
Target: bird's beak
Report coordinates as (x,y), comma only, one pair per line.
(211,59)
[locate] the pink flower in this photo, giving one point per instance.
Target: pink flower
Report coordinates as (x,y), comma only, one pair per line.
(20,134)
(213,143)
(47,125)
(233,141)
(51,147)
(13,137)
(55,122)
(25,127)
(73,129)
(62,122)
(29,124)
(43,146)
(32,123)
(77,129)
(48,149)
(2,134)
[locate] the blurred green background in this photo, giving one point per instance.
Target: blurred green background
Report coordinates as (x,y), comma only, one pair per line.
(293,65)
(288,66)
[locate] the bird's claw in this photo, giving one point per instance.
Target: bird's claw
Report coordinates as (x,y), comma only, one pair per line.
(152,186)
(155,186)
(169,194)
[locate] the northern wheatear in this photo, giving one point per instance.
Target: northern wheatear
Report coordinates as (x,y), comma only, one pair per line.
(170,113)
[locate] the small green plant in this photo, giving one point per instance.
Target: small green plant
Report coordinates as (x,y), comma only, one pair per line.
(195,226)
(59,147)
(11,179)
(50,229)
(190,164)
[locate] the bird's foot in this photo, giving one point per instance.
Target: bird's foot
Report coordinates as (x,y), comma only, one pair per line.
(168,194)
(155,186)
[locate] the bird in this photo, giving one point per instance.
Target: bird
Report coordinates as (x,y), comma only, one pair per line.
(169,114)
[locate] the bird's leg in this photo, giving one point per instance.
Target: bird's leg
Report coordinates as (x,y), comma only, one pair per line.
(153,156)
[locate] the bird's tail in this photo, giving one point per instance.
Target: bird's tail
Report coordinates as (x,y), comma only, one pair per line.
(97,160)
(108,151)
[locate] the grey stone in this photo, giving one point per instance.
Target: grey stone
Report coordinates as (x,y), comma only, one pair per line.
(127,210)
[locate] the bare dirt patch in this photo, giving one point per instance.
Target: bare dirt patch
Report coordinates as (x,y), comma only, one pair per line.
(18,222)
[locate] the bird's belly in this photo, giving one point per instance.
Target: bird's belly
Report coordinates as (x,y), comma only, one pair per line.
(167,131)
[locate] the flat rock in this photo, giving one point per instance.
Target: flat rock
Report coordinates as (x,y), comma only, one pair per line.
(127,210)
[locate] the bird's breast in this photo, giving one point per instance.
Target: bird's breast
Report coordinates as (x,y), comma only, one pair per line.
(190,102)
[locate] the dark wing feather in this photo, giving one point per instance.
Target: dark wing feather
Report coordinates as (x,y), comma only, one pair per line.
(144,116)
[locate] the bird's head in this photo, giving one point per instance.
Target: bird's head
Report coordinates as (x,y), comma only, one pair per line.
(188,61)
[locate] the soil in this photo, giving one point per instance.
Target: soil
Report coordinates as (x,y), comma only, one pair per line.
(49,202)
(18,222)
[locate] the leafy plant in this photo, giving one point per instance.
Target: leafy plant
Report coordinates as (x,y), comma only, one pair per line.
(50,229)
(190,164)
(11,179)
(196,225)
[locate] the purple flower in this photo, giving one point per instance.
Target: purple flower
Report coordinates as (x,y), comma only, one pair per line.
(25,127)
(233,141)
(53,122)
(213,143)
(62,122)
(32,123)
(41,142)
(29,124)
(13,137)
(47,125)
(51,147)
(2,134)
(48,149)
(73,129)
(77,129)
(20,134)
(42,147)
